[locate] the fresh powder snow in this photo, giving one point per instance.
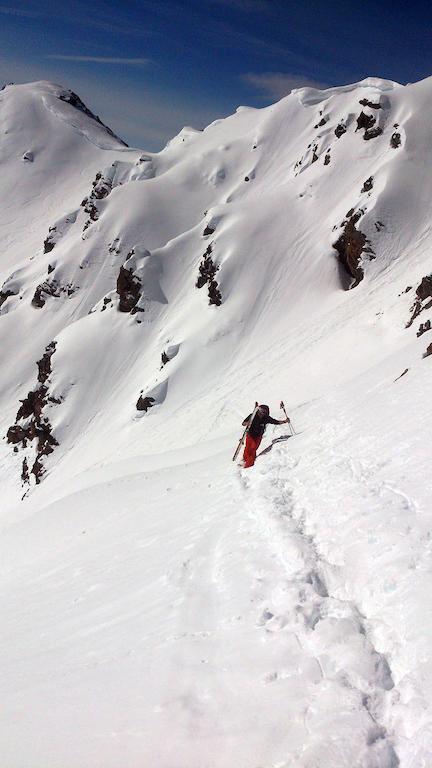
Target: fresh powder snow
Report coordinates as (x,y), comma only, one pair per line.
(161,605)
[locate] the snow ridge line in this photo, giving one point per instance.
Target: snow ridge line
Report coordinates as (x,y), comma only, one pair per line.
(366,674)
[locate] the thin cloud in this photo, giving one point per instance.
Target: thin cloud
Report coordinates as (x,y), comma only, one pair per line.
(131,62)
(275,85)
(8,11)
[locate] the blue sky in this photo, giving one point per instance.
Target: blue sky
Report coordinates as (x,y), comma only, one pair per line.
(148,67)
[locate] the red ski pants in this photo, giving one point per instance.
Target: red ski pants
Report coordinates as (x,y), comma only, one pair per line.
(251,447)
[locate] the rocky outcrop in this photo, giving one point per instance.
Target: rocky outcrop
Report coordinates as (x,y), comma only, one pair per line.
(144,403)
(102,187)
(74,100)
(423,328)
(365,121)
(370,104)
(423,299)
(395,140)
(31,424)
(340,130)
(50,288)
(367,185)
(5,295)
(128,286)
(43,290)
(372,133)
(350,247)
(207,272)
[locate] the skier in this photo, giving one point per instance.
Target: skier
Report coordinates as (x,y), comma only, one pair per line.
(256,431)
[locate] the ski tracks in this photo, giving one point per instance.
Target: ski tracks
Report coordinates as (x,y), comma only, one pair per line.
(347,715)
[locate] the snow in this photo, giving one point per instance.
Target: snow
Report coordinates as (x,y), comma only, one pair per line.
(160,605)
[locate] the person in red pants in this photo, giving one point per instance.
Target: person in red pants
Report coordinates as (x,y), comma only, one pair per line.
(256,431)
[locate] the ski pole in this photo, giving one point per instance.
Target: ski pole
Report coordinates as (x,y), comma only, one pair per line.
(293,432)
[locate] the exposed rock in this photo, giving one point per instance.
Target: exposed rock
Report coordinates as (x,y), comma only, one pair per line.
(379,226)
(50,268)
(370,104)
(49,242)
(50,288)
(34,425)
(423,292)
(322,122)
(340,130)
(164,358)
(5,295)
(208,231)
(74,100)
(423,327)
(424,289)
(101,189)
(47,288)
(207,272)
(372,133)
(428,351)
(350,246)
(365,121)
(106,302)
(144,403)
(327,159)
(395,140)
(28,157)
(128,289)
(44,364)
(368,185)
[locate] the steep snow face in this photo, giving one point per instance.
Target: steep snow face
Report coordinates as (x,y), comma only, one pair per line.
(252,227)
(146,301)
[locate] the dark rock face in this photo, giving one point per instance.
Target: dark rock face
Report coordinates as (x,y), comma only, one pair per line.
(423,293)
(207,272)
(128,289)
(49,242)
(50,288)
(370,104)
(423,328)
(395,140)
(144,403)
(424,289)
(5,295)
(428,351)
(74,100)
(372,133)
(208,231)
(340,130)
(101,189)
(327,159)
(368,185)
(44,364)
(321,123)
(47,288)
(350,247)
(34,425)
(365,121)
(164,358)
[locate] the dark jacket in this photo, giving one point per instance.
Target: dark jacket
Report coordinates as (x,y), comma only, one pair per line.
(257,428)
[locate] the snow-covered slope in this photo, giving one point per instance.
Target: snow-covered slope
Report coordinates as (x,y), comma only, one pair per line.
(169,608)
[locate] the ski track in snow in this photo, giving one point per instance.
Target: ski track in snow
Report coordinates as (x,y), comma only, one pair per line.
(343,650)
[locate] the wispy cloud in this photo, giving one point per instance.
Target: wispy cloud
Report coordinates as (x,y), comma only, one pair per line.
(128,62)
(8,11)
(278,84)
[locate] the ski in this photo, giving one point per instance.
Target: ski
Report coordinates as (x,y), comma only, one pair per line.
(246,430)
